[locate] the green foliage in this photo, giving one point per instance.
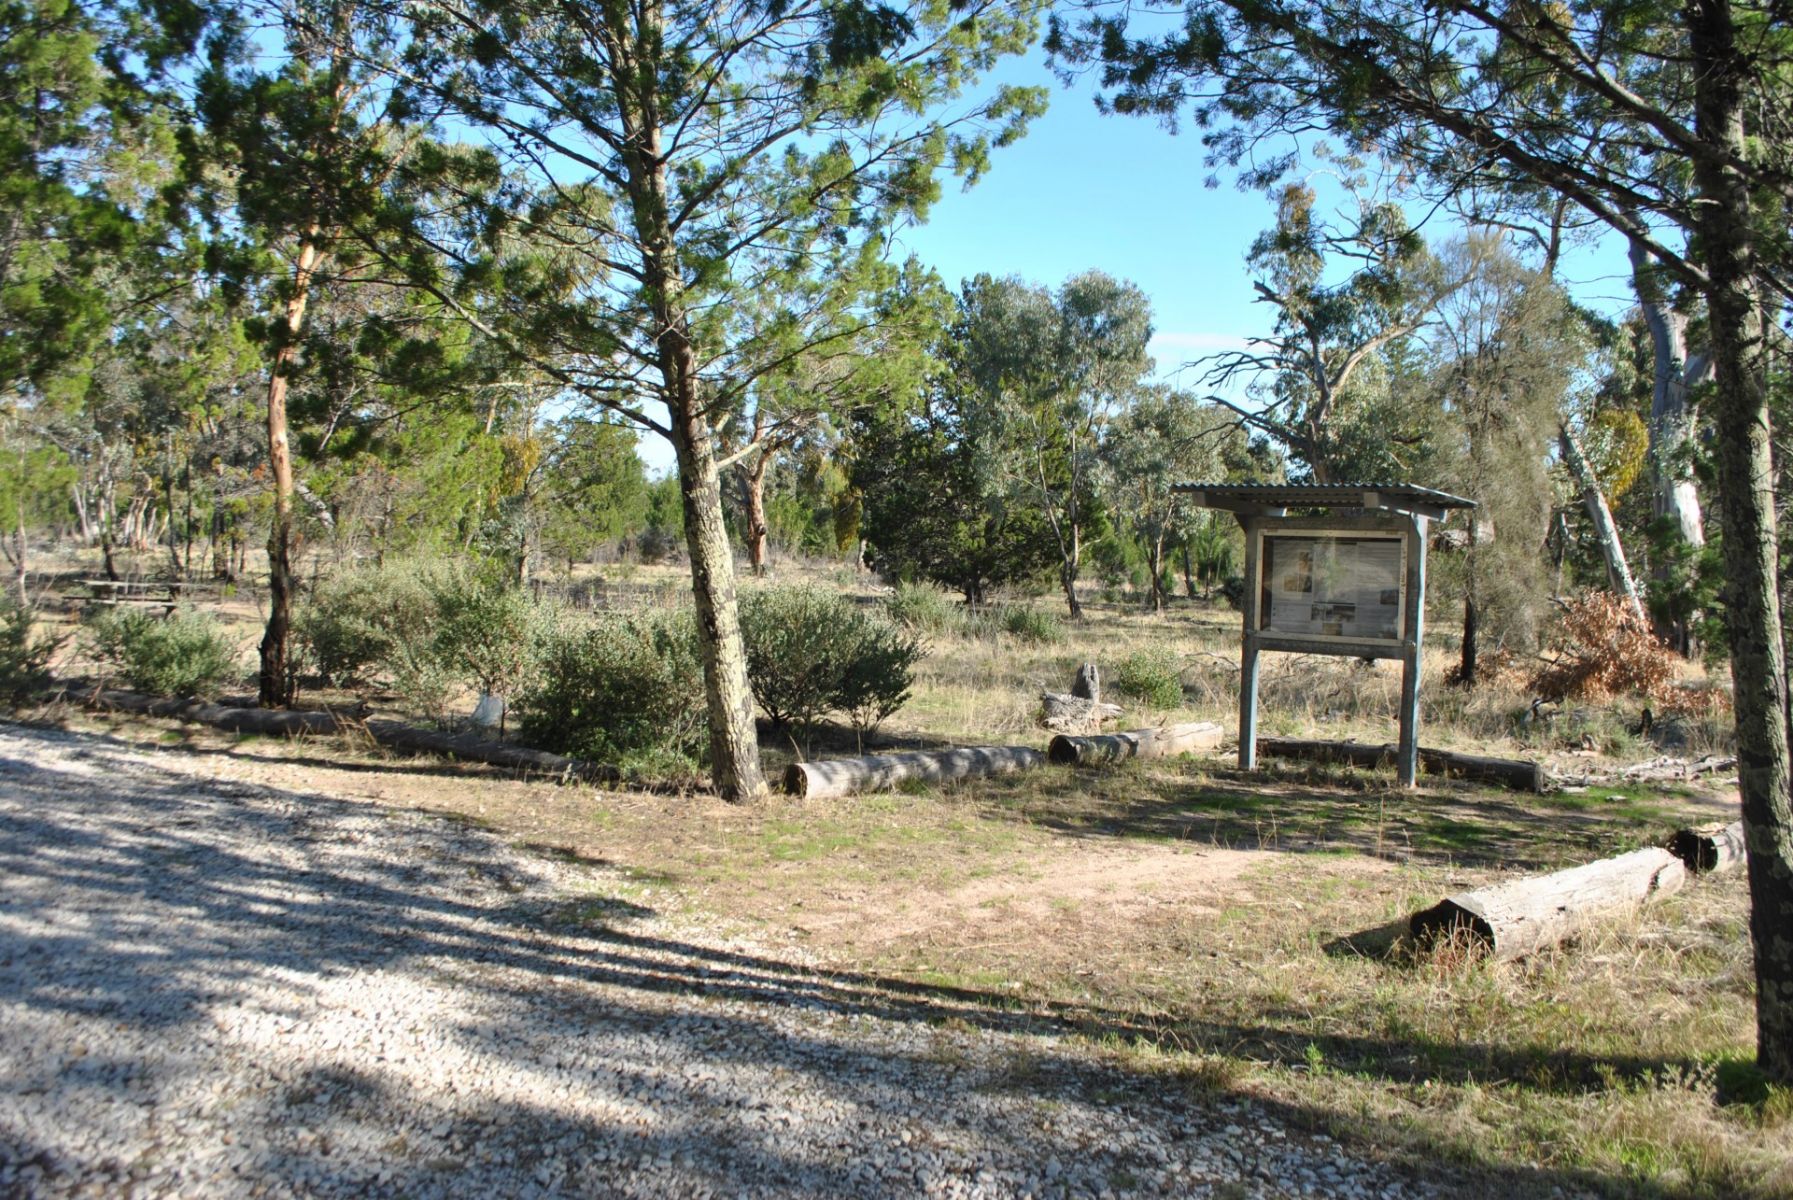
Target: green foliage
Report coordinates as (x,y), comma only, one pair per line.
(1028,624)
(487,634)
(920,608)
(24,659)
(811,651)
(628,688)
(352,621)
(1151,676)
(183,654)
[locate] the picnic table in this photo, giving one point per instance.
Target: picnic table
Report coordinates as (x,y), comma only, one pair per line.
(132,593)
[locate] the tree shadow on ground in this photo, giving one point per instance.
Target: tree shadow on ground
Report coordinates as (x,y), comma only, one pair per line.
(151,904)
(1325,810)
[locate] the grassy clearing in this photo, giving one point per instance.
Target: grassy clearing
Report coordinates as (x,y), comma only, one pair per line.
(1226,934)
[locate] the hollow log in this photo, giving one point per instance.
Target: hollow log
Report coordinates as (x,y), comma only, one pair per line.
(1138,743)
(844,776)
(1517,773)
(394,735)
(1710,849)
(1514,919)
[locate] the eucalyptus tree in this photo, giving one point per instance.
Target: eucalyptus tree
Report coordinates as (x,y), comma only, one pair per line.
(1162,439)
(1050,369)
(1307,376)
(746,145)
(1671,124)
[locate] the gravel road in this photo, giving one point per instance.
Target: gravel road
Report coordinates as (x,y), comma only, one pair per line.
(210,987)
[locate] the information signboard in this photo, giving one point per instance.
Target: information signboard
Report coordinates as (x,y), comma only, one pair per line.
(1332,585)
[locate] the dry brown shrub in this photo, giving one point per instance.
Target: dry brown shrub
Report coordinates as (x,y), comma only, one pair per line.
(1599,648)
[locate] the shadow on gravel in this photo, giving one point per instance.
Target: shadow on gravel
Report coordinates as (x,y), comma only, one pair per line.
(147,898)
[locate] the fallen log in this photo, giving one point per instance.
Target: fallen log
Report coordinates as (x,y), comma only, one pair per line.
(1514,919)
(395,735)
(844,776)
(1068,750)
(1517,773)
(1710,849)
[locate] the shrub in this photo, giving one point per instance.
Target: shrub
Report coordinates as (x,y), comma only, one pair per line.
(811,651)
(1600,649)
(1030,624)
(352,621)
(1150,676)
(626,689)
(183,654)
(920,609)
(487,634)
(24,660)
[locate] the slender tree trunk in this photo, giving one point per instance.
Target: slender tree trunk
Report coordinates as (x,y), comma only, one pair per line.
(1747,517)
(734,742)
(753,487)
(1671,411)
(1618,570)
(275,678)
(1158,573)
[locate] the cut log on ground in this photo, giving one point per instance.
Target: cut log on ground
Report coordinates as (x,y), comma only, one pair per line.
(1517,773)
(1074,714)
(1710,849)
(395,735)
(845,776)
(1515,919)
(1138,743)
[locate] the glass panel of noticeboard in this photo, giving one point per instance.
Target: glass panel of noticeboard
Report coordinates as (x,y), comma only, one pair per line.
(1320,585)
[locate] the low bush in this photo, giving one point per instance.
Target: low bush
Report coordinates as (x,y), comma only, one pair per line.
(811,651)
(627,690)
(488,634)
(24,659)
(350,623)
(183,654)
(1151,676)
(921,609)
(1030,624)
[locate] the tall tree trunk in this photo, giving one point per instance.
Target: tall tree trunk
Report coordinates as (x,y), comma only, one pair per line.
(1747,517)
(1618,570)
(276,678)
(734,742)
(1157,556)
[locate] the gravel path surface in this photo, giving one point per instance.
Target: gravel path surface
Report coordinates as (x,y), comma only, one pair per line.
(210,987)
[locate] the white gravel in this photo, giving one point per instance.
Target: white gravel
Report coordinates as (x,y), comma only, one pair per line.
(214,988)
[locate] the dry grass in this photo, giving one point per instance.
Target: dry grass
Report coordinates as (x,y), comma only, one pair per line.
(1221,933)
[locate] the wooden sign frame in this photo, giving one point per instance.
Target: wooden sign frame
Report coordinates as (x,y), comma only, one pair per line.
(1409,531)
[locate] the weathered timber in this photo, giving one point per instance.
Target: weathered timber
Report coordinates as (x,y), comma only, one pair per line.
(1517,773)
(1074,714)
(1515,919)
(1088,683)
(845,776)
(395,735)
(1710,849)
(1138,743)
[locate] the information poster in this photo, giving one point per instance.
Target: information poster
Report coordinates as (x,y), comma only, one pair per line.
(1320,586)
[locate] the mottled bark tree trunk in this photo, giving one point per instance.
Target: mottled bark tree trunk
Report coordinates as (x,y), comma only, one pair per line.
(275,679)
(1618,569)
(1747,517)
(759,532)
(734,742)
